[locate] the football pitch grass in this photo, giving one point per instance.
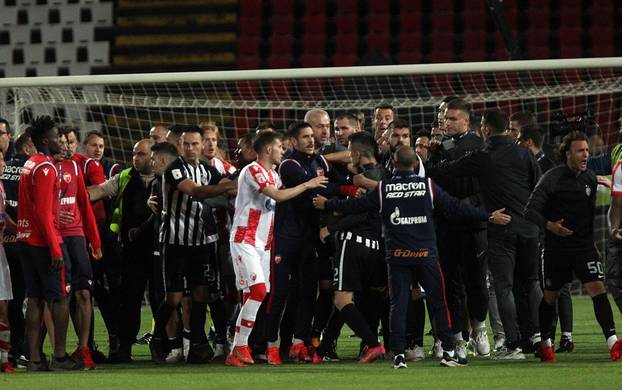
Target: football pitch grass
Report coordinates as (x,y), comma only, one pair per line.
(588,368)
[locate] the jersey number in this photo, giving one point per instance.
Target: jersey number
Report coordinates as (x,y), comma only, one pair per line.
(595,267)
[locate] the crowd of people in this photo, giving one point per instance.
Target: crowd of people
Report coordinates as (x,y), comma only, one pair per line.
(301,232)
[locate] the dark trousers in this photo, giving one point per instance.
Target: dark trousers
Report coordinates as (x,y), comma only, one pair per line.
(613,271)
(107,281)
(513,261)
(136,271)
(16,315)
(401,278)
(293,272)
(462,255)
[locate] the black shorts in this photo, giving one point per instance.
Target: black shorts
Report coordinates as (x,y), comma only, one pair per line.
(81,270)
(189,266)
(558,267)
(41,281)
(325,258)
(355,262)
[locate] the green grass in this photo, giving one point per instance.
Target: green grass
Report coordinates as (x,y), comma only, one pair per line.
(589,367)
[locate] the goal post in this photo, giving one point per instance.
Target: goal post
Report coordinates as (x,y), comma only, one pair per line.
(124,107)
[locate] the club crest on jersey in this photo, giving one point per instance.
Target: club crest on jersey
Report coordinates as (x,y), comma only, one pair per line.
(277,259)
(588,190)
(242,282)
(176,174)
(320,172)
(67,177)
(253,277)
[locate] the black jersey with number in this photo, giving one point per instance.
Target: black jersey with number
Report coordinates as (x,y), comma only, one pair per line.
(183,219)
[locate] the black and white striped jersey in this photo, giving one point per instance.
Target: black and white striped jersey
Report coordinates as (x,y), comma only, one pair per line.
(183,219)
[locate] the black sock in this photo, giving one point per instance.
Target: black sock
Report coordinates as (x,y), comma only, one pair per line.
(331,333)
(356,322)
(604,315)
(162,317)
(323,309)
(546,315)
(418,323)
(198,315)
(219,319)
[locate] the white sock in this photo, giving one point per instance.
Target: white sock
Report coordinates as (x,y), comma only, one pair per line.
(273,344)
(612,340)
(458,337)
(296,341)
(4,357)
(450,353)
(245,322)
(536,338)
(567,335)
(548,343)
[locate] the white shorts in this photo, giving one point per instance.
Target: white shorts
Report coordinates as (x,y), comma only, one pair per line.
(6,289)
(251,265)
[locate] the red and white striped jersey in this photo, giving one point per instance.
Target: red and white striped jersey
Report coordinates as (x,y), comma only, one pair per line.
(253,221)
(224,168)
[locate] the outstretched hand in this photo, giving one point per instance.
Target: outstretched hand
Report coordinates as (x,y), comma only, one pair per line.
(316,182)
(319,202)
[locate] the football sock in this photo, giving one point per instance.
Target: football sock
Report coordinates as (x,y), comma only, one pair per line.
(5,341)
(198,314)
(162,317)
(323,309)
(546,314)
(567,335)
(219,319)
(333,329)
(248,314)
(356,322)
(604,315)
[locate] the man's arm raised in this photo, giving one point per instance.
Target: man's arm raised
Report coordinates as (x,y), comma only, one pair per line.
(289,193)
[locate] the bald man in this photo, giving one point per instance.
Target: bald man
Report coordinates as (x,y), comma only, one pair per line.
(130,189)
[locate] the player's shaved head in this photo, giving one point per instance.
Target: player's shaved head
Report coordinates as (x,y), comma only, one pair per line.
(405,158)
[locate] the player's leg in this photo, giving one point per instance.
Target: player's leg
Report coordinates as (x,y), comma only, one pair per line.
(589,270)
(528,257)
(501,262)
(174,283)
(307,276)
(324,306)
(613,271)
(431,278)
(474,271)
(349,276)
(400,280)
(415,326)
(247,263)
(6,294)
(15,306)
(81,276)
(564,309)
(285,253)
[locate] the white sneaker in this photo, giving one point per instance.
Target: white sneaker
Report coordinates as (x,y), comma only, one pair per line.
(437,350)
(479,343)
(415,354)
(176,355)
(504,353)
(186,347)
(461,350)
